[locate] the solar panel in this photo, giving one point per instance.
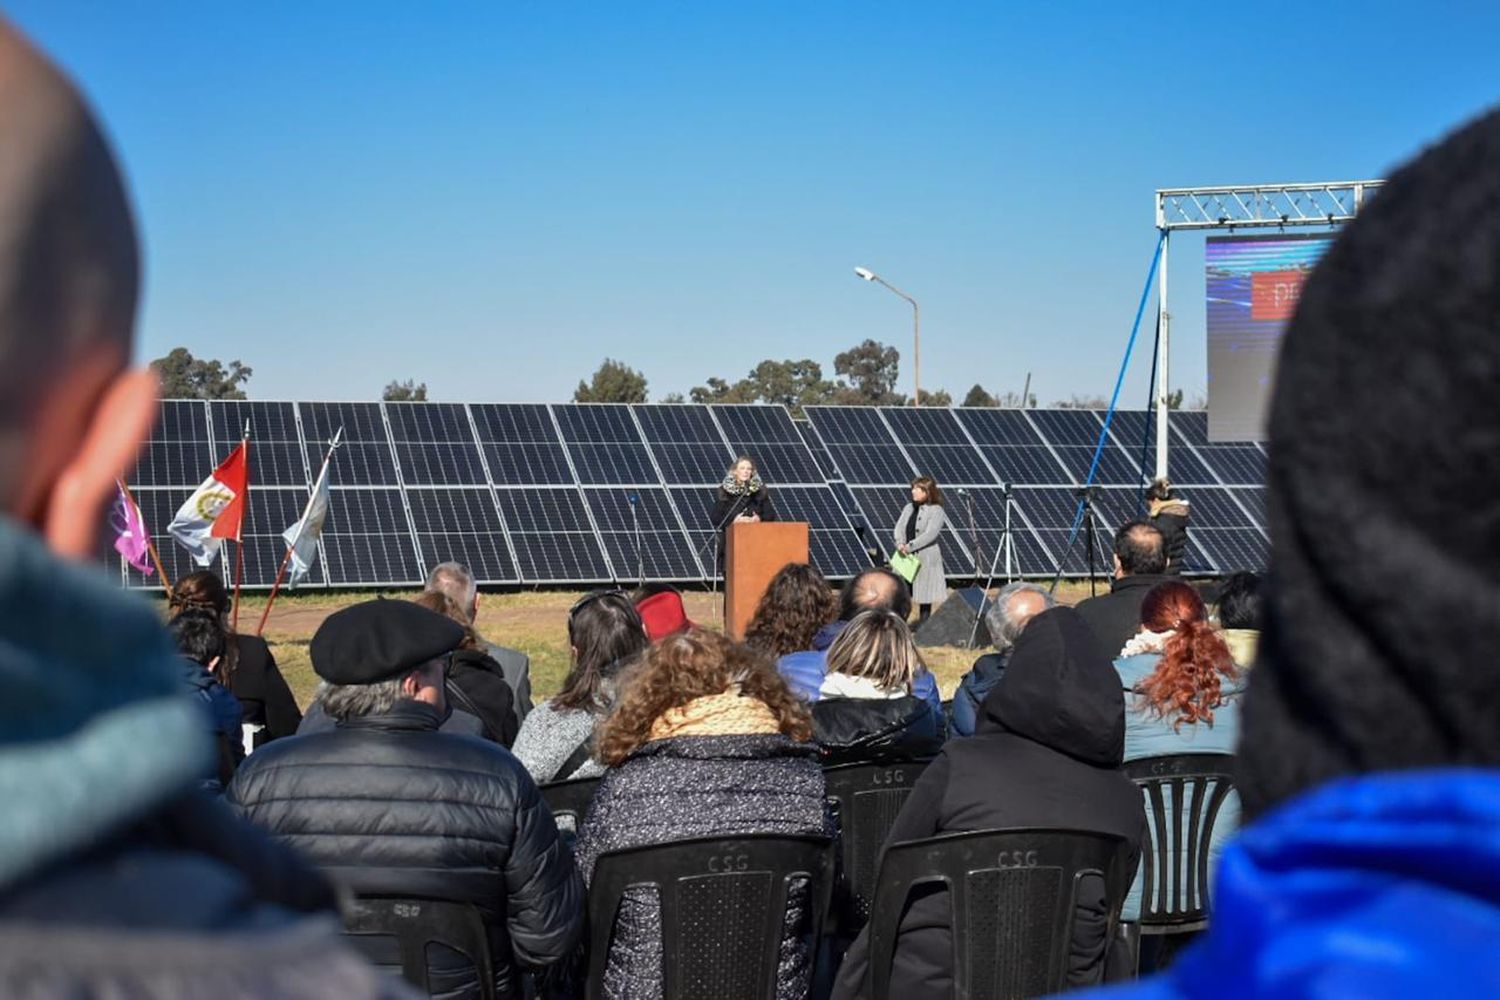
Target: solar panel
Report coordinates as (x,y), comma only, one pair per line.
(435,444)
(364,458)
(605,445)
(553,537)
(1074,435)
(686,443)
(1011,445)
(521,444)
(663,553)
(1184,467)
(938,445)
(809,434)
(179,452)
(984,533)
(276,453)
(462,525)
(368,539)
(834,548)
(767,435)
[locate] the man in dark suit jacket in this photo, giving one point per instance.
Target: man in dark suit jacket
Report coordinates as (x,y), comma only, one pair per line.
(1140,564)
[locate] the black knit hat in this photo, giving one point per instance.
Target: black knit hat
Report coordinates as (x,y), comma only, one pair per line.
(380,640)
(1382,641)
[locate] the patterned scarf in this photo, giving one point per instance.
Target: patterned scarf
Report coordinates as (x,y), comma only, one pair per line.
(735,488)
(726,714)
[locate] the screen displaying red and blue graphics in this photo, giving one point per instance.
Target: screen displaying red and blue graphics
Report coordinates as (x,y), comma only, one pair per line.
(1253,284)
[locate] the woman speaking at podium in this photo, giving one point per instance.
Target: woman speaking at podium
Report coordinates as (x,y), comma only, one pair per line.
(916,534)
(741,497)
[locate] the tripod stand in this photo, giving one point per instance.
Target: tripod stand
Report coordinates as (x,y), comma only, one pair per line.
(1005,547)
(1087,495)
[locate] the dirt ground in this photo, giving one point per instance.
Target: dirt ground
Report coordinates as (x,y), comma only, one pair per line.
(534,621)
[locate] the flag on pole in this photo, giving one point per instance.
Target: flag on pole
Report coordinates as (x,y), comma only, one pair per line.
(215,511)
(129,526)
(302,537)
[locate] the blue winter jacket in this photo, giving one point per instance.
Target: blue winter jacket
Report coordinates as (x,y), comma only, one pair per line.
(805,671)
(1386,885)
(1148,734)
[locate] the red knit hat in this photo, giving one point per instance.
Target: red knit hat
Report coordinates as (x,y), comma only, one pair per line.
(663,614)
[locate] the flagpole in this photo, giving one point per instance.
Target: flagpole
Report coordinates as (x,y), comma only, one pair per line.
(150,545)
(301,523)
(239,547)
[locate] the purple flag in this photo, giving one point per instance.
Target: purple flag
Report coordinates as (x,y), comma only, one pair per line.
(130,531)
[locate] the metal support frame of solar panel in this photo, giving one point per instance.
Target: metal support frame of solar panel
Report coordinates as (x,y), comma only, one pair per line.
(799,490)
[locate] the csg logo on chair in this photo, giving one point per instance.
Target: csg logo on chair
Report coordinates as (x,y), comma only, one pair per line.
(1017,859)
(725,863)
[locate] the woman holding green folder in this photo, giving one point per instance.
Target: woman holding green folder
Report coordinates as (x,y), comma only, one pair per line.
(916,537)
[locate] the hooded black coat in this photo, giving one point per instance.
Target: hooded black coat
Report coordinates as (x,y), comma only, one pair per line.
(1047,753)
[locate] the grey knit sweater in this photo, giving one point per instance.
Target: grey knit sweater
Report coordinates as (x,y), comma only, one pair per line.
(549,736)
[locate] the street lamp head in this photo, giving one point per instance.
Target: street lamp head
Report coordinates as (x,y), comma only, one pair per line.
(865,272)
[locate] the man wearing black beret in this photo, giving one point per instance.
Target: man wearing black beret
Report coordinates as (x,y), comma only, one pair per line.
(390,806)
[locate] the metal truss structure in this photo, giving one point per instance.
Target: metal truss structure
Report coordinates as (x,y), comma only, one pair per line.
(1244,206)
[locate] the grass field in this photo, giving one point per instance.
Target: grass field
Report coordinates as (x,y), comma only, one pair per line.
(535,622)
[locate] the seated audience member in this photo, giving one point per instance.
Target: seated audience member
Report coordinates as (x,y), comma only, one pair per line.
(247,668)
(389,806)
(117,878)
(661,610)
(201,643)
(1168,513)
(796,605)
(1369,762)
(475,681)
(1014,606)
(1140,564)
(874,589)
(454,580)
(1046,754)
(1182,695)
(866,711)
(556,741)
(707,740)
(1240,616)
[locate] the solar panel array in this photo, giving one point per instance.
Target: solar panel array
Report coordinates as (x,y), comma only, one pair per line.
(582,494)
(870,455)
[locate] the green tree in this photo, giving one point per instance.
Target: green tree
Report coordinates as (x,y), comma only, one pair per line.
(1078,402)
(186,377)
(409,391)
(868,375)
(673,399)
(1012,400)
(614,382)
(793,384)
(940,397)
(717,390)
(977,396)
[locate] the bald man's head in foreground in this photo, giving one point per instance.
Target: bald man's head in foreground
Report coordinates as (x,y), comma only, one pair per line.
(72,417)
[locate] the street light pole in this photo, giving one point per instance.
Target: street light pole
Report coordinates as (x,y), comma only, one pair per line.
(916,331)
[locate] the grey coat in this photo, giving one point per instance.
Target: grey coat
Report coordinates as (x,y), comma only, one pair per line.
(700,786)
(931,584)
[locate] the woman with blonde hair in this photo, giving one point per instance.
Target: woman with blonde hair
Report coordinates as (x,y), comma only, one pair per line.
(916,534)
(866,709)
(705,740)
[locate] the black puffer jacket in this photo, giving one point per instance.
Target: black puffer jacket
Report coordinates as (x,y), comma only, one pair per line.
(700,786)
(871,730)
(1050,740)
(387,805)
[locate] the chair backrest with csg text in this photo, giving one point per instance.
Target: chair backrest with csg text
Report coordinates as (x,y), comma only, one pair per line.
(1011,899)
(866,798)
(417,923)
(724,904)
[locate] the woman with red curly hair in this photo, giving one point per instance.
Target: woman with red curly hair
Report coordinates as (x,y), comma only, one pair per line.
(706,739)
(1182,695)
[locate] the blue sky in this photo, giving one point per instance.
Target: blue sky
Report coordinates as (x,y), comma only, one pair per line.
(492,197)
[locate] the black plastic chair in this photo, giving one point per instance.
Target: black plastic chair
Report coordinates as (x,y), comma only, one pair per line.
(569,799)
(866,799)
(723,909)
(1174,863)
(1011,899)
(417,923)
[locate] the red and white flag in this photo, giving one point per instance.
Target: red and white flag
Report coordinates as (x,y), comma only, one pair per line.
(215,511)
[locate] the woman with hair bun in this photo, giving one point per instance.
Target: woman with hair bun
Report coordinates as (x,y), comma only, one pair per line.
(1182,695)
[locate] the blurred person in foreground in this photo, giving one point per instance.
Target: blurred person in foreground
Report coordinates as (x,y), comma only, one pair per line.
(706,741)
(1015,605)
(389,806)
(457,583)
(117,877)
(1369,755)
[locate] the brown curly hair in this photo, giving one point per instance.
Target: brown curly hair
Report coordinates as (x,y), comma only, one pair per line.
(694,664)
(1185,683)
(797,602)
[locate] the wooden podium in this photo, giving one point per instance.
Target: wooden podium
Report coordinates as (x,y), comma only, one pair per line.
(755,551)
